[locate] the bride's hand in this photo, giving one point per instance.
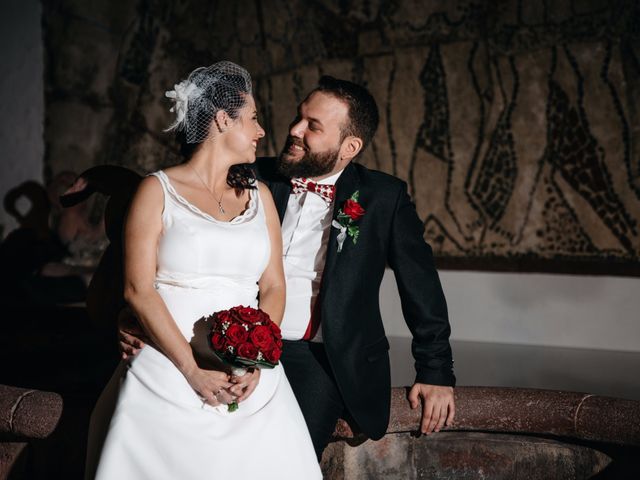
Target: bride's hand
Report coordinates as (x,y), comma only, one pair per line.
(246,384)
(211,385)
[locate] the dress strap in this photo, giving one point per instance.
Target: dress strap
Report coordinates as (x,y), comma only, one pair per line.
(258,198)
(166,189)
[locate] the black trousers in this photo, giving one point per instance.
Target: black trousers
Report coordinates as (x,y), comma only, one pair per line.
(315,388)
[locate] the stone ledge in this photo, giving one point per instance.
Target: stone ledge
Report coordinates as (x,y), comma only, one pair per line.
(26,413)
(529,411)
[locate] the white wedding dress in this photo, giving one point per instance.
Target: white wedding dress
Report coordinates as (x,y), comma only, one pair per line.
(159,428)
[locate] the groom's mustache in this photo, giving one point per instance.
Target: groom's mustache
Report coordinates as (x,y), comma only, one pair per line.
(295,141)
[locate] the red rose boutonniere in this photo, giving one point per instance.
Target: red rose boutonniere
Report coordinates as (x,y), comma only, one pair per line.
(348,215)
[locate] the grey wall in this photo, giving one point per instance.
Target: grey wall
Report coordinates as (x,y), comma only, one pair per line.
(558,332)
(22,103)
(599,313)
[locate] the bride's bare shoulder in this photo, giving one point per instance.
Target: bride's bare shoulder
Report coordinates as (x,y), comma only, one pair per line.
(179,174)
(149,190)
(265,193)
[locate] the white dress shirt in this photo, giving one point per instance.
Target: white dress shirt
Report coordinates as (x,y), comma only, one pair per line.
(305,235)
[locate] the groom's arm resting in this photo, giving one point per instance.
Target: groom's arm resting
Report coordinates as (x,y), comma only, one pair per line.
(425,311)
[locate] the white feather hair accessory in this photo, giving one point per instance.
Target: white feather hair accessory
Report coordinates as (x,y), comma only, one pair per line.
(180,94)
(221,86)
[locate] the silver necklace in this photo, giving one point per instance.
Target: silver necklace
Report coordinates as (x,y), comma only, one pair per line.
(212,193)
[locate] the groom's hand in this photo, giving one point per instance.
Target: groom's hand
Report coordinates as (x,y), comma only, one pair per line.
(130,334)
(438,408)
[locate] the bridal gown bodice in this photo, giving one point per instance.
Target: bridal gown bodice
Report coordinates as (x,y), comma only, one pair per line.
(198,252)
(160,427)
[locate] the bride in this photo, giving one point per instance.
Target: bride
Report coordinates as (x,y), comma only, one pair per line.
(202,237)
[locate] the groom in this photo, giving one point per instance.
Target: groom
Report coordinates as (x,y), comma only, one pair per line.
(342,224)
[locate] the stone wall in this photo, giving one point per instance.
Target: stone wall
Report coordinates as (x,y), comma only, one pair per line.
(515,123)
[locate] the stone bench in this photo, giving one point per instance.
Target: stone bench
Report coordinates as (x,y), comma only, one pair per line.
(499,433)
(25,415)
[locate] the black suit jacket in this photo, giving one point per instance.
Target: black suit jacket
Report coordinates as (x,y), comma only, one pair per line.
(354,338)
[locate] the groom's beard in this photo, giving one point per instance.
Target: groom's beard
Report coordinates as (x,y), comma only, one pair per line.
(311,165)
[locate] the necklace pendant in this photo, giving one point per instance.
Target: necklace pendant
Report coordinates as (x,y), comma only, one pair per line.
(220,208)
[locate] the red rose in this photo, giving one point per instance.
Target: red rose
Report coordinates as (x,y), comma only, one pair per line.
(273,354)
(248,350)
(221,317)
(277,334)
(217,342)
(236,334)
(353,209)
(275,329)
(262,337)
(234,315)
(247,314)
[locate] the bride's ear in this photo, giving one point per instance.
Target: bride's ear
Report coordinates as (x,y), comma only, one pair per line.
(222,121)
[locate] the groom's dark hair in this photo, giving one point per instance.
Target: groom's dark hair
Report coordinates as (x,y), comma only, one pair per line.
(363,111)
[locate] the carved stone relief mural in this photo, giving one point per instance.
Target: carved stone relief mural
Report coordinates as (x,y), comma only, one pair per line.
(515,123)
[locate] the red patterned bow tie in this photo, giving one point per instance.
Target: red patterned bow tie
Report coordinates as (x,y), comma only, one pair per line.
(301,185)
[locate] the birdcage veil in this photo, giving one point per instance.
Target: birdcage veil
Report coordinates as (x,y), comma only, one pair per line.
(221,86)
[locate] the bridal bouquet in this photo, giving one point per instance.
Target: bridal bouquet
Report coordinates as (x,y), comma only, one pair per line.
(245,337)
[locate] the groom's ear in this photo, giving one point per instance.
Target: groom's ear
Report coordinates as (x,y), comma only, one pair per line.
(351,147)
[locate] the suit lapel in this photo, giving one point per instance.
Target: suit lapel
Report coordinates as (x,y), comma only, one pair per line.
(345,186)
